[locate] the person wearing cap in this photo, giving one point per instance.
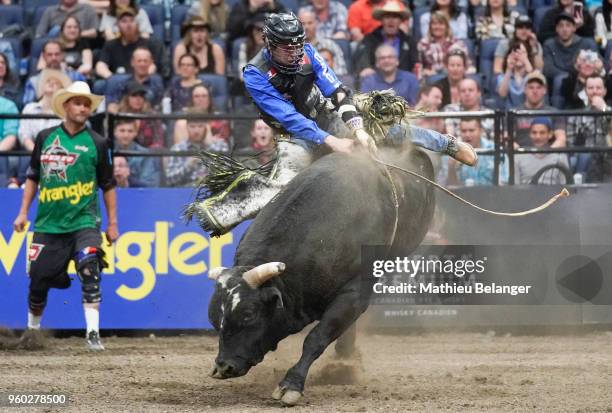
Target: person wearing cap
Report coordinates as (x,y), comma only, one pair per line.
(331,17)
(49,82)
(108,23)
(309,21)
(391,16)
(528,165)
(560,52)
(457,19)
(523,33)
(587,63)
(360,19)
(54,16)
(116,54)
(585,25)
(142,65)
(535,99)
(592,131)
(195,34)
(498,21)
(151,132)
(68,165)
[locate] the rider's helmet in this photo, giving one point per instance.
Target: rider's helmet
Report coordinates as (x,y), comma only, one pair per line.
(284,37)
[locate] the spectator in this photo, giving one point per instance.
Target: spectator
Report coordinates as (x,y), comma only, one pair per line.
(457,20)
(116,54)
(253,44)
(196,40)
(437,44)
(150,131)
(470,96)
(215,12)
(309,21)
(202,103)
(591,131)
(185,171)
(456,67)
(361,22)
(391,15)
(108,24)
(497,22)
(100,6)
(330,59)
(141,65)
(54,16)
(388,76)
(587,63)
(430,100)
(482,173)
(245,10)
(144,170)
(53,55)
(560,52)
(122,175)
(585,26)
(9,85)
(603,26)
(535,95)
(523,33)
(77,54)
(511,85)
(49,82)
(262,141)
(181,88)
(528,165)
(331,17)
(8,127)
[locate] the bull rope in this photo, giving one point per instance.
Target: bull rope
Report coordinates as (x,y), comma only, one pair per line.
(564,193)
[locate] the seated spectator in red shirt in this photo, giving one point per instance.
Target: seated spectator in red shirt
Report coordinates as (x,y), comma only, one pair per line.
(196,40)
(436,45)
(360,19)
(141,65)
(116,54)
(108,24)
(77,53)
(388,76)
(54,16)
(391,15)
(151,132)
(588,63)
(527,166)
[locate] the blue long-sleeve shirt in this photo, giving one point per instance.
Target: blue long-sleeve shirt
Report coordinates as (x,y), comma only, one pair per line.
(272,102)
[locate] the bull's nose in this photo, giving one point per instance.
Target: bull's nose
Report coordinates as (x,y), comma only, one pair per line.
(227,368)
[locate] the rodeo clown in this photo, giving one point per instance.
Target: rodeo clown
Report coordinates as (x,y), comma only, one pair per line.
(308,108)
(68,165)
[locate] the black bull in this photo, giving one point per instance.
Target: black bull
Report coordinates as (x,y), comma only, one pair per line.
(311,234)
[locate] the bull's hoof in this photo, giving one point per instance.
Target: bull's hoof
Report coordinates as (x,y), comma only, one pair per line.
(286,396)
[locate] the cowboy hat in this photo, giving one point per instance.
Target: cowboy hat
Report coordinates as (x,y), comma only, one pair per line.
(194,21)
(391,7)
(47,74)
(75,89)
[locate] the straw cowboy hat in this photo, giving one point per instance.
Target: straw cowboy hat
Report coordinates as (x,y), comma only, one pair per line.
(47,74)
(391,7)
(75,89)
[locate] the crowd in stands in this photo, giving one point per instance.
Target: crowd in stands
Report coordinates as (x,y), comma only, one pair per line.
(186,56)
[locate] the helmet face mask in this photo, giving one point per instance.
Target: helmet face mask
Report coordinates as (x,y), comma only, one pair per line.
(284,37)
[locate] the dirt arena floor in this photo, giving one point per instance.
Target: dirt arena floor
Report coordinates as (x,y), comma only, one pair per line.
(422,373)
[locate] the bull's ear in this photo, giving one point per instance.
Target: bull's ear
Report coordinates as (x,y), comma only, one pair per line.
(273,293)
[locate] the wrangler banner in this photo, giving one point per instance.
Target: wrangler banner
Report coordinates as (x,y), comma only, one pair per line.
(157,278)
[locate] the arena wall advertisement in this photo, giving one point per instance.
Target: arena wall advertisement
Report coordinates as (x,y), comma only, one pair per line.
(157,277)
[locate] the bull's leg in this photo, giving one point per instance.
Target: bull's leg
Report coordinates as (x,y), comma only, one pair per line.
(338,317)
(345,344)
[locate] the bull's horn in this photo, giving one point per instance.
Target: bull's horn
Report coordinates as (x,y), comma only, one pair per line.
(214,273)
(262,273)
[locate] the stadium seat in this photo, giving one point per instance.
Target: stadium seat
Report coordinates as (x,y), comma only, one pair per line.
(156,16)
(13,44)
(236,53)
(38,13)
(607,53)
(485,63)
(11,15)
(557,98)
(540,4)
(471,48)
(179,13)
(345,45)
(538,14)
(219,89)
(35,50)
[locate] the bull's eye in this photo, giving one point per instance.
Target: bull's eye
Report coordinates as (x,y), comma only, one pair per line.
(248,315)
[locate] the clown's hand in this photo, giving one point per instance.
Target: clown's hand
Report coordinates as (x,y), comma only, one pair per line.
(366,140)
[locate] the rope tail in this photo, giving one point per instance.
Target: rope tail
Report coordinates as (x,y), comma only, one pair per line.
(564,193)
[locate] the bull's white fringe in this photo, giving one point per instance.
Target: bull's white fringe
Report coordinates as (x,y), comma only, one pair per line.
(564,193)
